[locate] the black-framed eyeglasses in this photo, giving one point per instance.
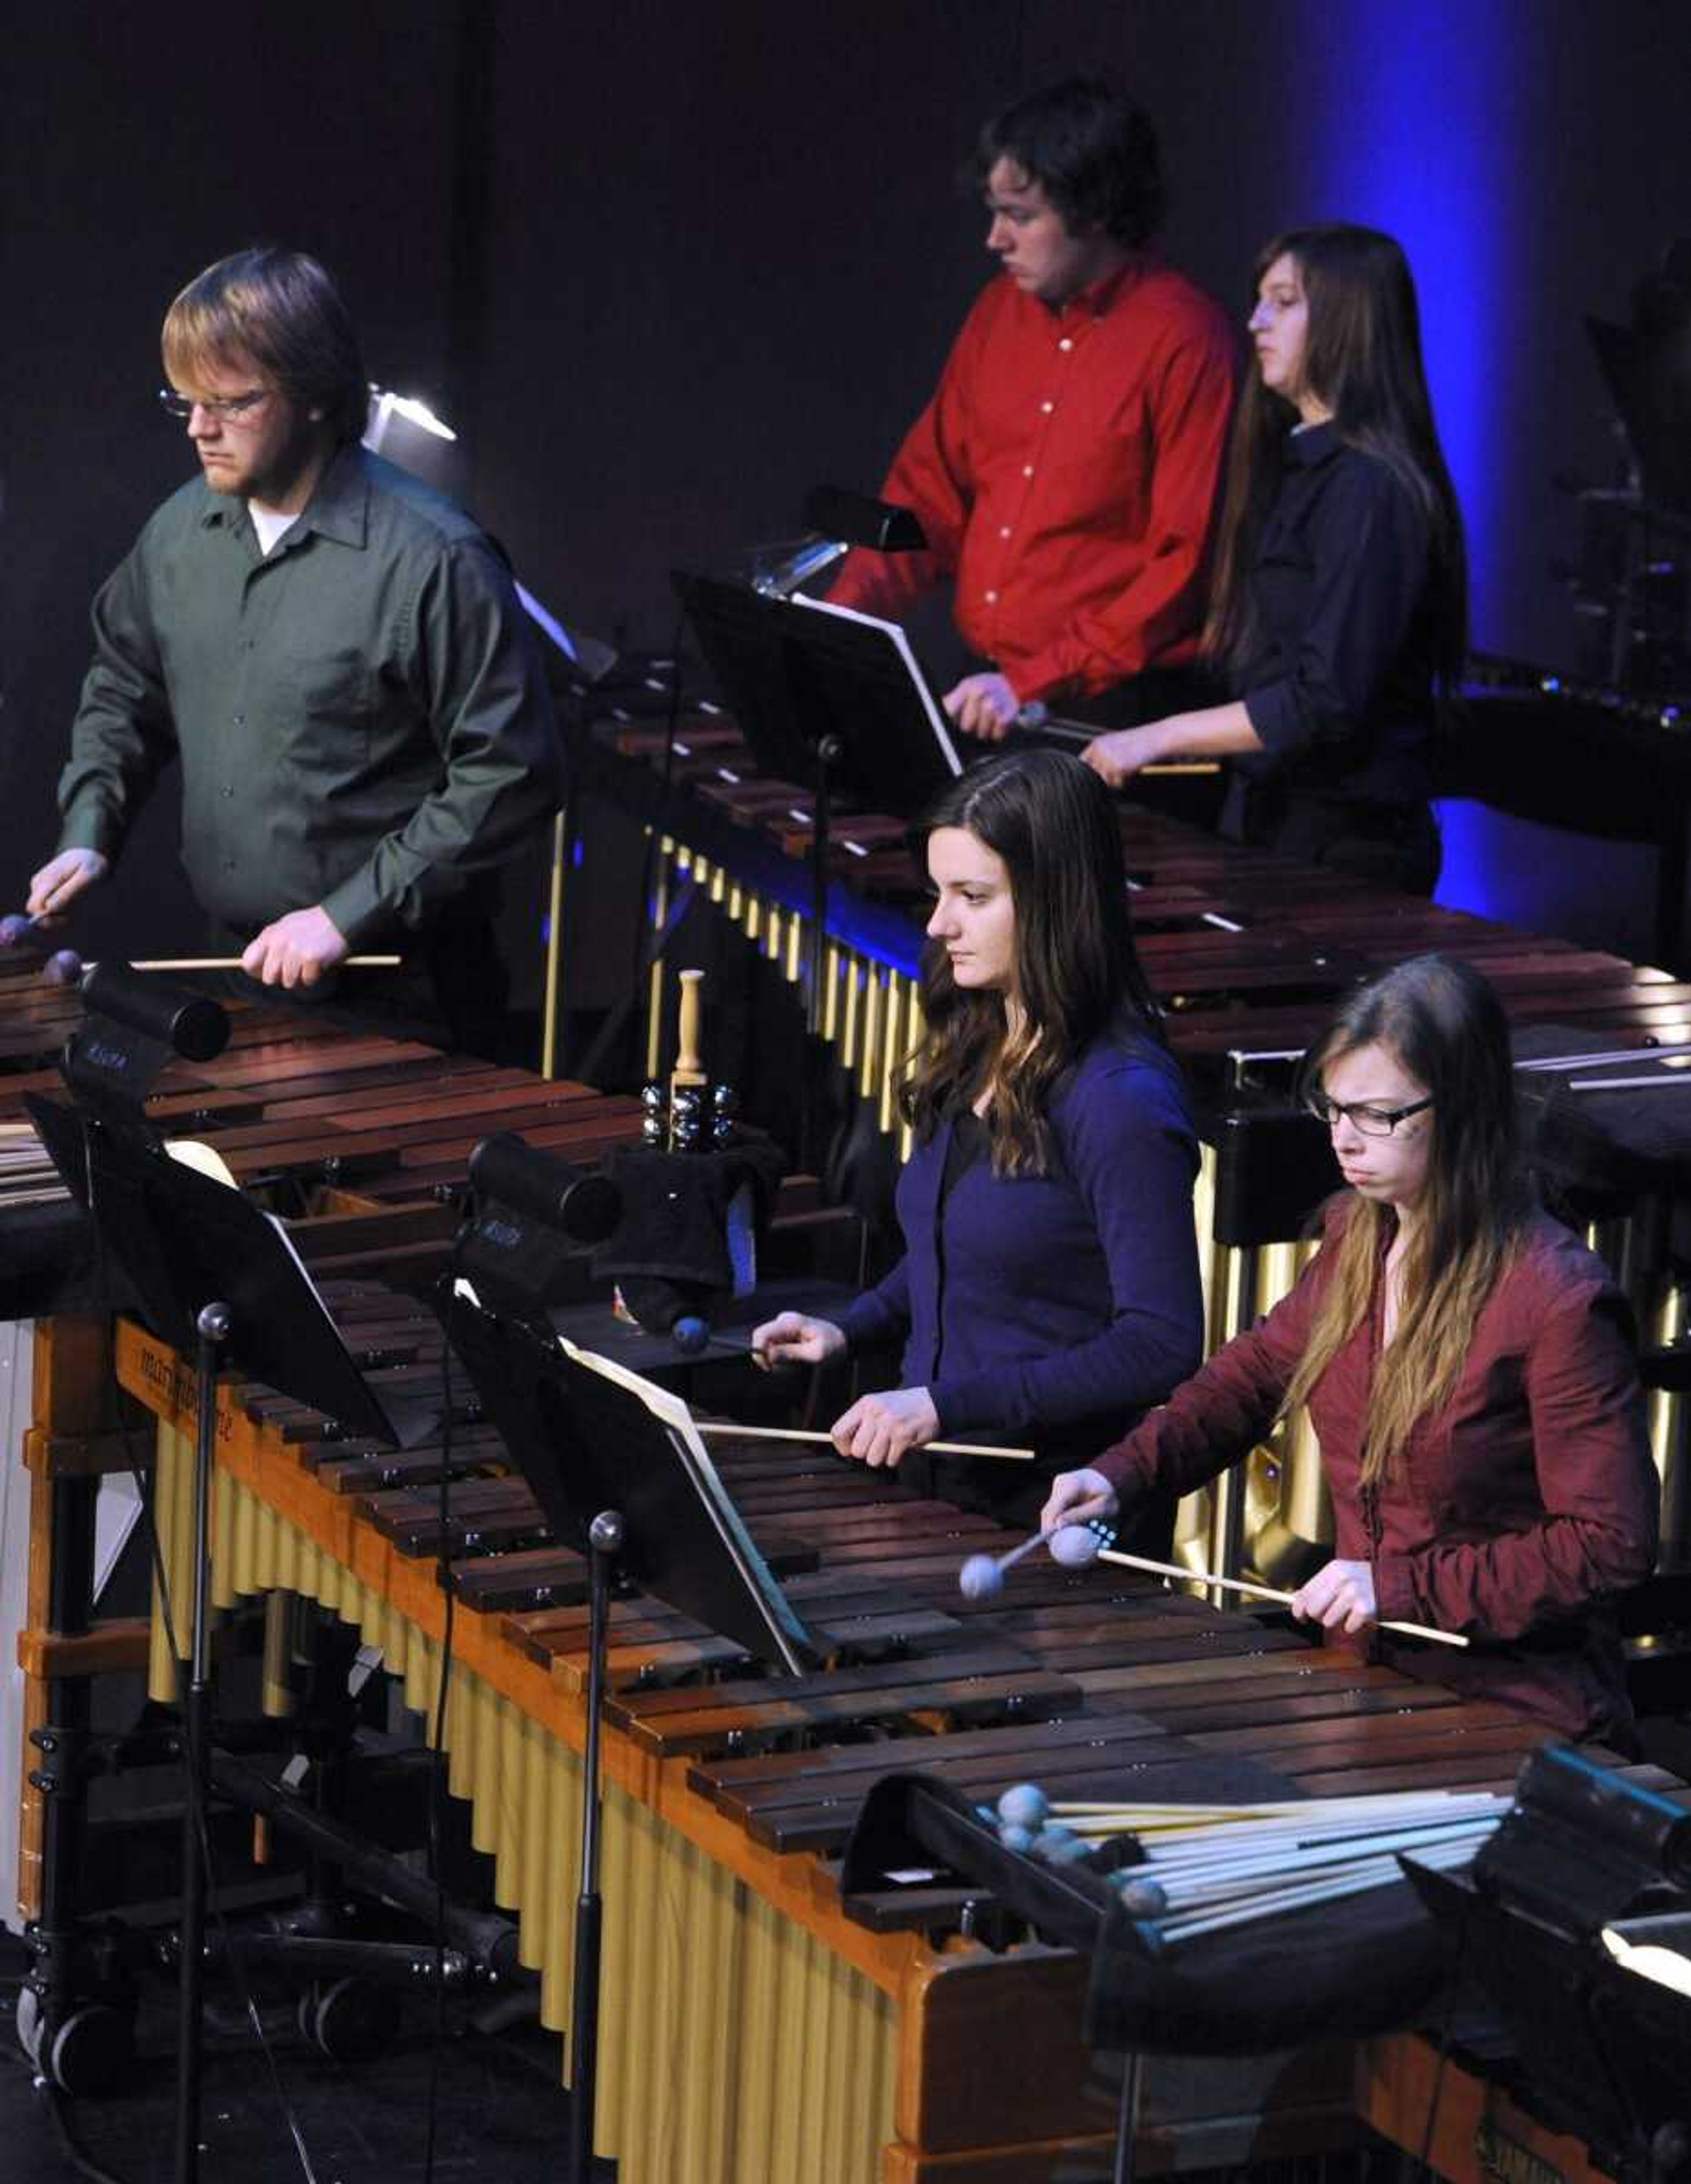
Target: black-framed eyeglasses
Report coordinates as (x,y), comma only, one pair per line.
(228,408)
(1362,1115)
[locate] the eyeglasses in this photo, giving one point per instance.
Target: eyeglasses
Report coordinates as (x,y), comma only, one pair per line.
(228,408)
(1361,1114)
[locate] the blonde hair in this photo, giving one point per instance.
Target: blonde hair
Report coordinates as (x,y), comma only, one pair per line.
(278,310)
(1444,1023)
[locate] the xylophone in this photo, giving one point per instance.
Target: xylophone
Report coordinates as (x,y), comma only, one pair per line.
(751,2029)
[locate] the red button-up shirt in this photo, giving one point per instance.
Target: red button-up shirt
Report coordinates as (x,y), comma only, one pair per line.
(1065,473)
(1516,1513)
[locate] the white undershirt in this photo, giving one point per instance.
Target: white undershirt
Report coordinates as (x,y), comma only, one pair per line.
(270,523)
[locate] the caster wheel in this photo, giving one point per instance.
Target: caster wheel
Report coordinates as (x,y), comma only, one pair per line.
(90,2053)
(352,2020)
(28,2024)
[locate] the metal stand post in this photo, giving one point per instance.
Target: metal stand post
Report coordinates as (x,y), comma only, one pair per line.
(604,1537)
(213,1326)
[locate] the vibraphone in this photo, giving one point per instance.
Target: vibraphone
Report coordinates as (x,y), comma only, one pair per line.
(752,2033)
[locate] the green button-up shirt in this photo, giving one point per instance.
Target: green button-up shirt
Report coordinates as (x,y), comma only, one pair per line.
(360,715)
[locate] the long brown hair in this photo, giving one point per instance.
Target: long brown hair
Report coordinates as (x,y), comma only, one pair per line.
(1052,822)
(1444,1024)
(1361,360)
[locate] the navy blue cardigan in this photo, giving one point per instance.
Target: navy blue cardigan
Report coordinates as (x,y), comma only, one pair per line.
(1059,1307)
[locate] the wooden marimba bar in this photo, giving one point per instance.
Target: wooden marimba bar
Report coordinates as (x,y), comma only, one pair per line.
(800,2046)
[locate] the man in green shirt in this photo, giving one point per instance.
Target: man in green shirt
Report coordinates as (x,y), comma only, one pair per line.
(337,655)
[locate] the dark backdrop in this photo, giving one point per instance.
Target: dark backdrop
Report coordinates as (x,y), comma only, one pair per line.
(665,265)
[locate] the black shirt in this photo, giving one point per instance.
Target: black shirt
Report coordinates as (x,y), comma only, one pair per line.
(1339,685)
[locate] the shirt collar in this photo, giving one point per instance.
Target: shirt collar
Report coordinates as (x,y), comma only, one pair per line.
(1100,296)
(1316,443)
(339,508)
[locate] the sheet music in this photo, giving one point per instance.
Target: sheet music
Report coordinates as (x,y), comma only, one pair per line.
(936,719)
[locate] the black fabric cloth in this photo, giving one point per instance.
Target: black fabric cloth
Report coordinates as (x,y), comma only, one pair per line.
(1339,682)
(1395,845)
(668,1254)
(1371,1963)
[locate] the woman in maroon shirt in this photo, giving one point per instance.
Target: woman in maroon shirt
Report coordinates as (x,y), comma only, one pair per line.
(1467,1365)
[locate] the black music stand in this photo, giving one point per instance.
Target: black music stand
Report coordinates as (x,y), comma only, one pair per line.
(826,695)
(1586,1868)
(219,1280)
(619,1469)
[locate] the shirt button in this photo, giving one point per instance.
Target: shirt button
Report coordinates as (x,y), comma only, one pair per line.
(240,720)
(1004,531)
(1065,344)
(227,790)
(993,599)
(1045,407)
(1027,470)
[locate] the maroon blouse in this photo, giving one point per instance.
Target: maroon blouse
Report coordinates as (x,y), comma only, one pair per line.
(1517,1512)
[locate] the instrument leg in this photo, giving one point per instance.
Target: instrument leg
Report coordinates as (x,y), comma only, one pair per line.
(1127,2116)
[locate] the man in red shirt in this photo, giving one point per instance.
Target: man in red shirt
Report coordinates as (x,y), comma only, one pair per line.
(1065,468)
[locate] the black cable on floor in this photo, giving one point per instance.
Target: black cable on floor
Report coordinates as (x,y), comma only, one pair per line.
(74,2153)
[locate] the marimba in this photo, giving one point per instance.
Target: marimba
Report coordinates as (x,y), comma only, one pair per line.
(1247,951)
(361,1141)
(752,2033)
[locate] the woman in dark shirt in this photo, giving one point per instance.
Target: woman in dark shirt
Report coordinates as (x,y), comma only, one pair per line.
(1467,1365)
(1049,1290)
(1339,604)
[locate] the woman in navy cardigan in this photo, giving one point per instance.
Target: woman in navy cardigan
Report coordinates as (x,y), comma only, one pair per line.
(1049,1288)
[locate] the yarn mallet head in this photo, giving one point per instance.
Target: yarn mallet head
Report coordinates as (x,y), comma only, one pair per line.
(1073,1545)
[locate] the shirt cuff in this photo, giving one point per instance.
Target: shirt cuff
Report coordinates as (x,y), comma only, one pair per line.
(87,827)
(1127,1471)
(967,1404)
(1274,717)
(354,908)
(866,1322)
